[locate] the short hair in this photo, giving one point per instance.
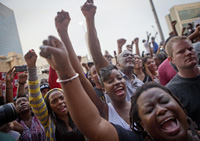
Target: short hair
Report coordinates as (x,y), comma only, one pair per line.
(105,73)
(121,55)
(168,47)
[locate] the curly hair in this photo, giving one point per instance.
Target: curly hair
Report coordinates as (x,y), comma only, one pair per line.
(134,115)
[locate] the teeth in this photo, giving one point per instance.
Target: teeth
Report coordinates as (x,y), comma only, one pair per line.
(171,118)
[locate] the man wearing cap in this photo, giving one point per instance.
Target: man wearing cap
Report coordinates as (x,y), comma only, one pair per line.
(44,88)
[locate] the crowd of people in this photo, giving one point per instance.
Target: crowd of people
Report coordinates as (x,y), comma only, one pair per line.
(153,96)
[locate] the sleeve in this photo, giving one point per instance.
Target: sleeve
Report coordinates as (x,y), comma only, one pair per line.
(35,97)
(126,135)
(52,79)
(162,76)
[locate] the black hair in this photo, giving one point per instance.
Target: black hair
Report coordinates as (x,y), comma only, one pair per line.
(62,132)
(17,97)
(161,56)
(105,73)
(134,115)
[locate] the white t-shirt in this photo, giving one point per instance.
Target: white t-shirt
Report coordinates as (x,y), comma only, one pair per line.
(146,46)
(115,118)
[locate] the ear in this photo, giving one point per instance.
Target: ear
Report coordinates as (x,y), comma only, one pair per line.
(170,59)
(104,91)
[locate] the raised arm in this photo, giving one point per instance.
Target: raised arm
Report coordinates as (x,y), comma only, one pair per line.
(120,43)
(183,31)
(148,36)
(62,21)
(173,24)
(35,97)
(195,34)
(137,50)
(82,110)
(9,88)
(89,10)
(22,78)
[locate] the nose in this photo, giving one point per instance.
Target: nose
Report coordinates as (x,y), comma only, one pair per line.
(160,110)
(117,82)
(60,101)
(188,52)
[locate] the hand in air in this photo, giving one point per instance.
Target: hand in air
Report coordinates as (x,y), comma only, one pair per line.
(62,20)
(88,9)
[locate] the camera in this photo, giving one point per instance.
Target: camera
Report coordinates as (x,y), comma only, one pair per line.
(7,113)
(20,68)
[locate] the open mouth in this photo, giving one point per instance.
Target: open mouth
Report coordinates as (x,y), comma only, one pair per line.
(119,91)
(170,125)
(62,108)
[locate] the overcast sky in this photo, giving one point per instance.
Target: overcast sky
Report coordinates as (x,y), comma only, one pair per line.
(114,19)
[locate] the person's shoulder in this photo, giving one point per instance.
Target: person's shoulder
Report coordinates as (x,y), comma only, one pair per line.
(173,82)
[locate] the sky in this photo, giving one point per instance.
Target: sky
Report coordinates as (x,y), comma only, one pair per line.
(114,19)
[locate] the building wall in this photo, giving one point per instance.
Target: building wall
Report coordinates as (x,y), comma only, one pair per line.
(184,14)
(9,37)
(11,60)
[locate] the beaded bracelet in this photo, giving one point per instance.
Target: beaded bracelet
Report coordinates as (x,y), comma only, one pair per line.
(67,80)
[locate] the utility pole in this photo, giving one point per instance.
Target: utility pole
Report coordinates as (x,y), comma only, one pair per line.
(157,21)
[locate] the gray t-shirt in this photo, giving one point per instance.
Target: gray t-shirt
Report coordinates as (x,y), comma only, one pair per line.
(131,86)
(188,91)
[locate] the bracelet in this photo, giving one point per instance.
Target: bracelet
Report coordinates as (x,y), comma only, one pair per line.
(67,80)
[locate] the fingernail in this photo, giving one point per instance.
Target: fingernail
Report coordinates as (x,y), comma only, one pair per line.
(43,48)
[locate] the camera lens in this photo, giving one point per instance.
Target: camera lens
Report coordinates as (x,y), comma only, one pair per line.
(7,113)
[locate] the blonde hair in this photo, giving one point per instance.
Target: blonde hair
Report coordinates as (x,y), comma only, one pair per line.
(168,47)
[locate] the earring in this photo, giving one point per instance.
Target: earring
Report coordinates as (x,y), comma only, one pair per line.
(53,114)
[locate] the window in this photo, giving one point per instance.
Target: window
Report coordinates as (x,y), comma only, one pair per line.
(189,14)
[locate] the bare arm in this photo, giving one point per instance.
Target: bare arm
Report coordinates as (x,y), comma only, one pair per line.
(62,28)
(89,10)
(148,36)
(195,34)
(183,30)
(9,89)
(137,50)
(82,110)
(173,23)
(120,43)
(22,77)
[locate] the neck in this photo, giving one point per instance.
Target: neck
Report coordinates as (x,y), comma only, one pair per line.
(98,86)
(119,104)
(189,73)
(25,116)
(153,73)
(138,71)
(128,72)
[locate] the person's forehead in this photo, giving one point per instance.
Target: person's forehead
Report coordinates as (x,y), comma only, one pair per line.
(126,52)
(181,44)
(151,95)
(21,98)
(55,94)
